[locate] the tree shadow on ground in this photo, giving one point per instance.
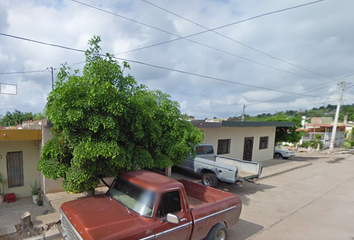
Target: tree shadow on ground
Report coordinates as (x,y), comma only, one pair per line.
(244,191)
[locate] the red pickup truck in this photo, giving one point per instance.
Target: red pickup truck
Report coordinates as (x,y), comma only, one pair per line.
(147,205)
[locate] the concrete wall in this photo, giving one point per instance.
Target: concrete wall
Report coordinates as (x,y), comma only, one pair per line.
(48,185)
(30,154)
(237,136)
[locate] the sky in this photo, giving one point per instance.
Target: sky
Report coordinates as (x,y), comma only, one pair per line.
(268,56)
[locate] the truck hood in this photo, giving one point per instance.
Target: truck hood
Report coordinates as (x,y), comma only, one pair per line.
(101,217)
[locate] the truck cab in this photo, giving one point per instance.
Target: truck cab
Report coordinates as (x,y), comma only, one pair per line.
(146,205)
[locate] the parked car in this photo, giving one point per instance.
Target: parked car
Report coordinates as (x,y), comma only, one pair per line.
(213,168)
(278,153)
(147,205)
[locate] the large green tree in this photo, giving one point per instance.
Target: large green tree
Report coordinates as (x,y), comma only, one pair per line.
(105,124)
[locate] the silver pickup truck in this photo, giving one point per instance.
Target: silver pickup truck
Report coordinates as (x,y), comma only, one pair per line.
(214,168)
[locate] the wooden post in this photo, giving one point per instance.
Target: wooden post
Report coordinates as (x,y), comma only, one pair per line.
(26,220)
(168,171)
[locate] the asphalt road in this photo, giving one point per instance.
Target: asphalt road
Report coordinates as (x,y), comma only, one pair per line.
(314,202)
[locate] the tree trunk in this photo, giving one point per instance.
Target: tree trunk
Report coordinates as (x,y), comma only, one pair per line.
(26,220)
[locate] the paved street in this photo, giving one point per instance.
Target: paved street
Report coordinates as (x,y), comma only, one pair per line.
(308,197)
(314,202)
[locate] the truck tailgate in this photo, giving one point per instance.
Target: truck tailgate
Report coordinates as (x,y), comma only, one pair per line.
(246,169)
(210,206)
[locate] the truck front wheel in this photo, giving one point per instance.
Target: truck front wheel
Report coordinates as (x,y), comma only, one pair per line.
(218,232)
(209,179)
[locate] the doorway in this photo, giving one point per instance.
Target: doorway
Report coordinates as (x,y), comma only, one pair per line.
(248,149)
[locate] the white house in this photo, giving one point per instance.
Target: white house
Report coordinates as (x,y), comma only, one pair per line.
(252,141)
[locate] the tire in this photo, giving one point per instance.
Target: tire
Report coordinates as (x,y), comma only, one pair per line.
(209,179)
(285,157)
(218,232)
(277,155)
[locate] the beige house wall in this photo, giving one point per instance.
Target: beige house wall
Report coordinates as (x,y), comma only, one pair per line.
(237,136)
(30,154)
(48,185)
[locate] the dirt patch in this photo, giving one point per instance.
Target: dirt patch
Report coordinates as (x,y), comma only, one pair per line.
(336,160)
(29,232)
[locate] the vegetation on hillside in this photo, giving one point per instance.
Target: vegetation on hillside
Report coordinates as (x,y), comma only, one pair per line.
(323,111)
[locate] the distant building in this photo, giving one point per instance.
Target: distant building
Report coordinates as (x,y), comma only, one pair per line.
(323,127)
(251,141)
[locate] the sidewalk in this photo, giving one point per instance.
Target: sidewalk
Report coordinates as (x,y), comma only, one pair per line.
(45,216)
(275,167)
(10,214)
(49,212)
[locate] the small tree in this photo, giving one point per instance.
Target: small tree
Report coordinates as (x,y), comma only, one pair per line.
(287,134)
(318,138)
(105,124)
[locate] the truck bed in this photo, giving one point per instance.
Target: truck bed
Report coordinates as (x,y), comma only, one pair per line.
(246,169)
(210,206)
(199,195)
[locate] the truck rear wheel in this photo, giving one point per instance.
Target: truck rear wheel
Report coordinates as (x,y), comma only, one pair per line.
(218,232)
(209,179)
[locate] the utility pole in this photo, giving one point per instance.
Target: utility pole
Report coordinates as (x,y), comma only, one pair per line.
(334,130)
(243,113)
(51,70)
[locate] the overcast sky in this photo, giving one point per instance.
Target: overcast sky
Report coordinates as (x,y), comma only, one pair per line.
(306,50)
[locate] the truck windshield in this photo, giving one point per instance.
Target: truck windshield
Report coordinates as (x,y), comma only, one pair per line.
(137,199)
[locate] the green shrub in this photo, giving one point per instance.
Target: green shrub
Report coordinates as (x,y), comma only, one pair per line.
(347,145)
(305,144)
(312,144)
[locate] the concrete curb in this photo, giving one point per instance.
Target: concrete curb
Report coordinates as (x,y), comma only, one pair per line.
(285,171)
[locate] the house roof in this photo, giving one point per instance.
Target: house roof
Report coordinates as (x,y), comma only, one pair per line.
(204,124)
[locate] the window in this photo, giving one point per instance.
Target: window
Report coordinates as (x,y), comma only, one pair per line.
(15,169)
(204,150)
(224,146)
(263,142)
(170,203)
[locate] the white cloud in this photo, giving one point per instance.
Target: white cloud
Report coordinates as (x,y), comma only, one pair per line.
(315,37)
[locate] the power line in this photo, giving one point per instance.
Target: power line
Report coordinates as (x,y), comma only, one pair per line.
(282,97)
(286,96)
(43,43)
(231,39)
(199,43)
(23,72)
(208,77)
(152,65)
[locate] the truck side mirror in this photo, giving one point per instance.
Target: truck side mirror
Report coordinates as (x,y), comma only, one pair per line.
(172,218)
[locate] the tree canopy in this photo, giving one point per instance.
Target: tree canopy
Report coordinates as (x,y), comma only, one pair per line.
(287,134)
(16,117)
(283,134)
(105,124)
